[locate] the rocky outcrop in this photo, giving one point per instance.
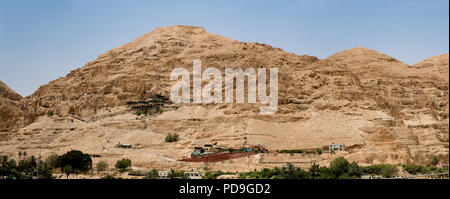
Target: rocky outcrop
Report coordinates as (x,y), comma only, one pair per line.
(10,113)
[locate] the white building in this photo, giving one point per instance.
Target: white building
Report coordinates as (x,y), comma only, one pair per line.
(163,174)
(193,175)
(337,147)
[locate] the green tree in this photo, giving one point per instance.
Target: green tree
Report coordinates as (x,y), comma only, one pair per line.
(314,170)
(52,160)
(76,172)
(3,160)
(388,171)
(326,173)
(435,160)
(339,166)
(27,165)
(45,171)
(76,159)
(123,164)
(345,176)
(153,174)
(102,166)
(67,170)
(355,170)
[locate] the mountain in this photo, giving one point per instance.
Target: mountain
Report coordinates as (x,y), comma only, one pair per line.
(8,93)
(383,110)
(141,68)
(437,66)
(10,113)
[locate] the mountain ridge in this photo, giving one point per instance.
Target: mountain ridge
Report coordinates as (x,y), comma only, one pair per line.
(382,109)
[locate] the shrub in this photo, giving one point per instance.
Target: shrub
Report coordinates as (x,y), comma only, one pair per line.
(153,174)
(102,166)
(72,110)
(319,151)
(386,170)
(172,137)
(45,171)
(435,160)
(344,176)
(169,137)
(52,160)
(326,173)
(290,151)
(418,169)
(123,164)
(175,137)
(176,174)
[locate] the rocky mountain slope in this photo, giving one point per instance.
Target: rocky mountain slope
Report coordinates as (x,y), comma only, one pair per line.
(140,68)
(437,65)
(10,113)
(382,109)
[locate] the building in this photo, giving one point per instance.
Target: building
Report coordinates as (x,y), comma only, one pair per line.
(193,175)
(371,177)
(336,147)
(163,174)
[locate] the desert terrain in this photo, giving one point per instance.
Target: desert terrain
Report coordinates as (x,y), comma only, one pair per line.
(383,110)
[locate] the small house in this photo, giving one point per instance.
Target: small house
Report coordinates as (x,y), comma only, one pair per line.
(193,175)
(336,147)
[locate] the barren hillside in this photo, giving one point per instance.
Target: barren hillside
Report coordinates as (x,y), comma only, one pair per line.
(437,65)
(382,109)
(9,108)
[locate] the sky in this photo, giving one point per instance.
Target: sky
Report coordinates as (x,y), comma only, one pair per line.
(43,40)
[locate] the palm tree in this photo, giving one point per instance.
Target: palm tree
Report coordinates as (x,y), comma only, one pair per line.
(315,170)
(4,160)
(20,154)
(24,155)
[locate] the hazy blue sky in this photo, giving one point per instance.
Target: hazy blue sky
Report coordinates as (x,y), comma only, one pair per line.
(46,39)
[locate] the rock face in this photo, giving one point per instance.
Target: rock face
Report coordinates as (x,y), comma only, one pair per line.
(415,99)
(8,93)
(140,68)
(10,113)
(382,109)
(437,65)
